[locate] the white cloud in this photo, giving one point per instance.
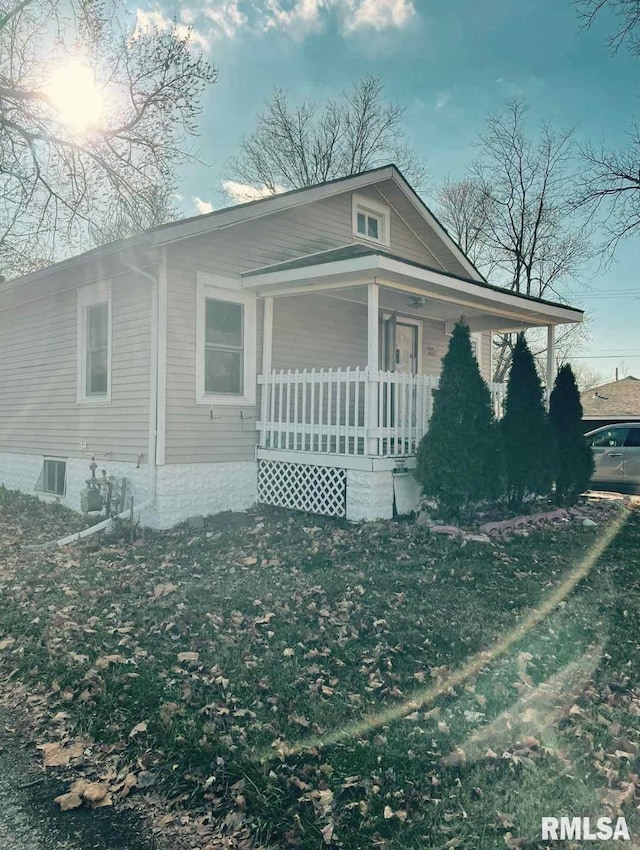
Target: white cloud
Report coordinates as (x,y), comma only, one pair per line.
(379,14)
(149,19)
(226,16)
(203,207)
(442,99)
(240,193)
(298,19)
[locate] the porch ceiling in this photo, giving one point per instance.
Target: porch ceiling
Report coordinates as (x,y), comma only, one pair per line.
(408,287)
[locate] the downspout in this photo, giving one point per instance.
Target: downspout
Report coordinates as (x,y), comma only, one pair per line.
(153,372)
(153,414)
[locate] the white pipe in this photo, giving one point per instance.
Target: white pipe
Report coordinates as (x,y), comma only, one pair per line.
(153,378)
(65,541)
(87,532)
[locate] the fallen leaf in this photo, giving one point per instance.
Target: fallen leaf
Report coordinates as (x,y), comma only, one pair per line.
(188,657)
(95,792)
(327,833)
(138,729)
(57,754)
(68,801)
(164,589)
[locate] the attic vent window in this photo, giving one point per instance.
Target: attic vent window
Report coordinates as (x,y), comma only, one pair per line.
(370,220)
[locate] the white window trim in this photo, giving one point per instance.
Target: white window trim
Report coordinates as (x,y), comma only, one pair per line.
(360,203)
(226,289)
(88,296)
(478,339)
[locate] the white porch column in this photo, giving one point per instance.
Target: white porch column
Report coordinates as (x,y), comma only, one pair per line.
(551,360)
(267,354)
(267,335)
(373,364)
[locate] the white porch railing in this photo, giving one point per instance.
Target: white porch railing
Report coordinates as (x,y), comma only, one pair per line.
(348,411)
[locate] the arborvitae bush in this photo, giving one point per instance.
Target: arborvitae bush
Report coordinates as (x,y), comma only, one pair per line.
(574,459)
(458,458)
(527,438)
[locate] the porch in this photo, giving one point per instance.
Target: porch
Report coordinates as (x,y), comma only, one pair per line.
(346,393)
(352,412)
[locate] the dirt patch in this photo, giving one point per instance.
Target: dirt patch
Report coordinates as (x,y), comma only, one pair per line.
(29,819)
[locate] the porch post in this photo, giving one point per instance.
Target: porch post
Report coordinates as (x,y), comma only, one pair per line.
(267,351)
(373,365)
(551,360)
(267,335)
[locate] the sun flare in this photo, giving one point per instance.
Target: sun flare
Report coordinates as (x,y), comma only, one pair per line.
(74,95)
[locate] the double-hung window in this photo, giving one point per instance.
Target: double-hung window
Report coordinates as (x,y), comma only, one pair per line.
(94,343)
(370,220)
(226,356)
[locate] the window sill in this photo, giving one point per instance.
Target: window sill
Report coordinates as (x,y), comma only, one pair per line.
(227,400)
(369,241)
(94,401)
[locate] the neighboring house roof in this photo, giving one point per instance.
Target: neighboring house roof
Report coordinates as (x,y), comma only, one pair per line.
(349,252)
(615,400)
(196,225)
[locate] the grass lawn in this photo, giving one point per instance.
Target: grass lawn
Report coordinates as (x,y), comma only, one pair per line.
(289,681)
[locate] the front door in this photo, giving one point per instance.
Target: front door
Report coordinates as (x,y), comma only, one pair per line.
(406,348)
(400,350)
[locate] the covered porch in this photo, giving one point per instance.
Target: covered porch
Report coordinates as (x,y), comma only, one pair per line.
(357,412)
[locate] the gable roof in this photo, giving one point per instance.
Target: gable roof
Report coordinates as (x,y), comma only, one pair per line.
(616,399)
(165,234)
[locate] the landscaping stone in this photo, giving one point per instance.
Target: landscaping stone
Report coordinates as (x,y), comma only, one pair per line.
(195,522)
(450,530)
(424,518)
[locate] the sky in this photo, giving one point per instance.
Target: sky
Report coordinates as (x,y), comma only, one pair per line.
(451,64)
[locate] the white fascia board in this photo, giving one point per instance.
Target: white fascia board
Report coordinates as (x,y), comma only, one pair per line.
(288,200)
(524,307)
(436,226)
(394,273)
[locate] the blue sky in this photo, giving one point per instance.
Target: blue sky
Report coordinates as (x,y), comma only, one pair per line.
(450,63)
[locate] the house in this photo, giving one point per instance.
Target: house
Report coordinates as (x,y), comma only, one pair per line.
(612,403)
(283,350)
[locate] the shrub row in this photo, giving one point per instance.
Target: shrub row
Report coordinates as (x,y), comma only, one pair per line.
(467,457)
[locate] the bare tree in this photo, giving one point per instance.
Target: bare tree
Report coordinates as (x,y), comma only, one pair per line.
(57,175)
(586,378)
(296,146)
(626,10)
(514,216)
(609,187)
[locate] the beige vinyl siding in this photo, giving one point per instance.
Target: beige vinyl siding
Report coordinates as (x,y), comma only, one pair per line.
(411,236)
(321,331)
(485,356)
(308,330)
(39,413)
(318,331)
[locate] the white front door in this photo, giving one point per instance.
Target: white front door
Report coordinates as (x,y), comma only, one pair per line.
(406,348)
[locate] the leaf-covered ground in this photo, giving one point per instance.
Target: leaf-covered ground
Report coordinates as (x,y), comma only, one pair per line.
(276,680)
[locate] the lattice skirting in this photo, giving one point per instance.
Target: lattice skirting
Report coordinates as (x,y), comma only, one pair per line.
(316,489)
